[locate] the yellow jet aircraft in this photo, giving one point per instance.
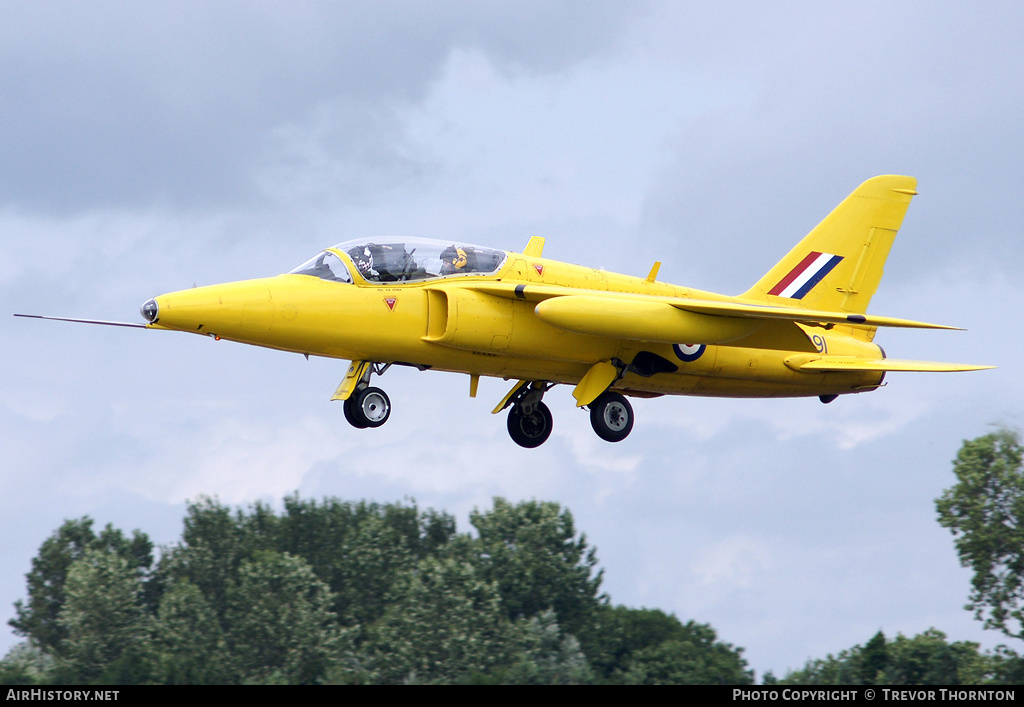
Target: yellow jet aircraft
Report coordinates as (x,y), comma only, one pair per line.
(801,330)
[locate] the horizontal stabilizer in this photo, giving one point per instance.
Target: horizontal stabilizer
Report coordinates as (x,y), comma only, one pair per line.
(821,364)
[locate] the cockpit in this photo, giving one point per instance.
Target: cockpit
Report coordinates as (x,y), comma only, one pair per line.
(401,260)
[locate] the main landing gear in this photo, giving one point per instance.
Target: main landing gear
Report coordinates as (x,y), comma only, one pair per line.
(530,421)
(611,416)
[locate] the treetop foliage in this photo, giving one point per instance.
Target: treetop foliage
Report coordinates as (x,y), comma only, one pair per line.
(985,512)
(345,592)
(46,581)
(925,659)
(360,592)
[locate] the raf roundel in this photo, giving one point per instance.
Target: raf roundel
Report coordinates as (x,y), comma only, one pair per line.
(689,352)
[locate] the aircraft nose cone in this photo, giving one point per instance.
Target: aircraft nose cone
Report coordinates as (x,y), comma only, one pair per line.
(150,311)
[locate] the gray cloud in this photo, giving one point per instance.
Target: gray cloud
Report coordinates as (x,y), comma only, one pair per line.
(117,103)
(830,96)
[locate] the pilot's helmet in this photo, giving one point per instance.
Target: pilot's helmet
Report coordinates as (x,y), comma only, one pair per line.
(453,260)
(363,259)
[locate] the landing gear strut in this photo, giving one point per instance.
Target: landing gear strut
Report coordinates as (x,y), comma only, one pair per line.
(529,419)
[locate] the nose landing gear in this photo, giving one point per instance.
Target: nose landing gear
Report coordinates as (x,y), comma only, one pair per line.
(369,407)
(365,406)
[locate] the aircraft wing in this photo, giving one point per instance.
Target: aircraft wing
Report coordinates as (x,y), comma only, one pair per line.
(804,316)
(645,317)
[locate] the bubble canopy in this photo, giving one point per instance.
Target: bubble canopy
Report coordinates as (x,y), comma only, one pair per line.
(402,260)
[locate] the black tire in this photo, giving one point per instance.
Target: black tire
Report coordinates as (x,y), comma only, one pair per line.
(611,416)
(370,407)
(351,414)
(530,430)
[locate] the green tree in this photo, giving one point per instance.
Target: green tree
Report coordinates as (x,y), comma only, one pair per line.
(929,659)
(369,560)
(357,548)
(925,659)
(107,627)
(214,544)
(360,548)
(443,622)
(1008,667)
(36,619)
(616,633)
(694,657)
(351,592)
(985,513)
(189,640)
(545,655)
(531,552)
(648,646)
(280,627)
(25,664)
(874,659)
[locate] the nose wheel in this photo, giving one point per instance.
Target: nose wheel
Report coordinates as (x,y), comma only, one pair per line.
(365,406)
(369,407)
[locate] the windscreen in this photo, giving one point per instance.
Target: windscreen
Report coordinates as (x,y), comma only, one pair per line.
(326,266)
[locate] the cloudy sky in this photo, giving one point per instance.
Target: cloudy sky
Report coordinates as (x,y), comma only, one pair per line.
(147,147)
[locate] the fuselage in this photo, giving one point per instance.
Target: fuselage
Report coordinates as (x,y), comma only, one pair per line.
(803,329)
(489,322)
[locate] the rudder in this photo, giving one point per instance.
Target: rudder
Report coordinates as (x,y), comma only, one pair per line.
(838,265)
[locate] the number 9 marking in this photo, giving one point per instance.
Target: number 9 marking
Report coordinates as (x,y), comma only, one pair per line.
(819,343)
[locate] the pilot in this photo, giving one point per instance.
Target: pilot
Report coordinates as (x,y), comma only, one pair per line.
(363,258)
(453,260)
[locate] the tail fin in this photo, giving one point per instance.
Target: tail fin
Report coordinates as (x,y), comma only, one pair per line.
(838,265)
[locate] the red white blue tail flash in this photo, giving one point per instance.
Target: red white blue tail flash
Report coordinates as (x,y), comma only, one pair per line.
(808,273)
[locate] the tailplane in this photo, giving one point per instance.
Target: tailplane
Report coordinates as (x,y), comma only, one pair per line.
(838,265)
